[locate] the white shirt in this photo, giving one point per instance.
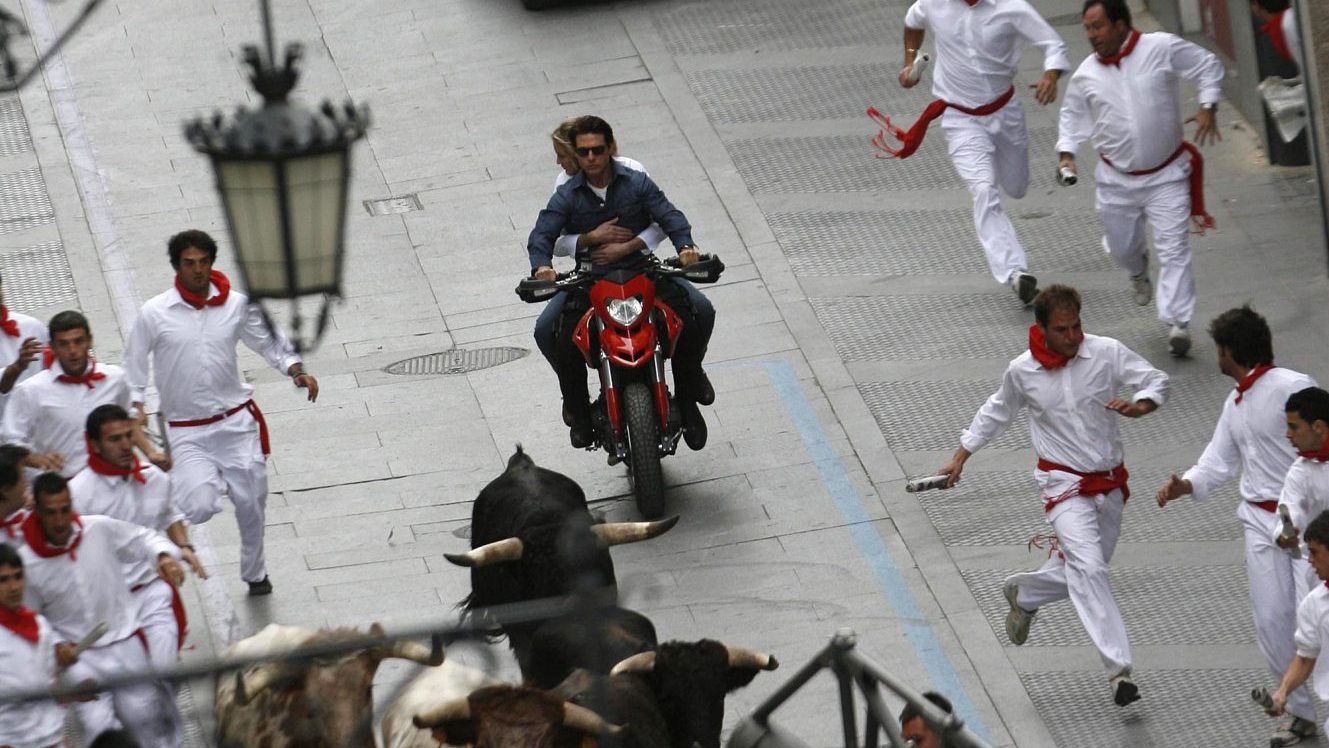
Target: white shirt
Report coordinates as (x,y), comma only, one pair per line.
(25,666)
(10,532)
(121,497)
(978,48)
(1068,418)
(1306,493)
(28,327)
(566,245)
(1291,34)
(47,415)
(193,353)
(1312,629)
(77,590)
(1132,113)
(1251,435)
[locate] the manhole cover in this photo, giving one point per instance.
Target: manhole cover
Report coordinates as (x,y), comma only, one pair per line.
(456,361)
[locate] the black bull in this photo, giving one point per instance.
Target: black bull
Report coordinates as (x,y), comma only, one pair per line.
(532,537)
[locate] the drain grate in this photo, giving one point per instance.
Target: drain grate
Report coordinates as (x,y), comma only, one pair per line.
(456,361)
(389,205)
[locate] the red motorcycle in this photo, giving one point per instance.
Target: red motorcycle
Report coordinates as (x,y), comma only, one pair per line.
(626,335)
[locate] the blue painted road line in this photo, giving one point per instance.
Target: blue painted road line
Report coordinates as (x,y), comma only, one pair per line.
(869,542)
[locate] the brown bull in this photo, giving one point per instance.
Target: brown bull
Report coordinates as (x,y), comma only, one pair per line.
(321,702)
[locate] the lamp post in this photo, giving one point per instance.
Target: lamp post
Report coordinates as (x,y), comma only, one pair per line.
(283,173)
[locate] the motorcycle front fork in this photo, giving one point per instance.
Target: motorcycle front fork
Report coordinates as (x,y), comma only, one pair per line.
(613,405)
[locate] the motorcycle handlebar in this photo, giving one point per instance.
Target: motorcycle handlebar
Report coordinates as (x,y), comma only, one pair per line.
(706,269)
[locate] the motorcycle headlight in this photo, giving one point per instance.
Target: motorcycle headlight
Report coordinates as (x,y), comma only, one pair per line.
(624,311)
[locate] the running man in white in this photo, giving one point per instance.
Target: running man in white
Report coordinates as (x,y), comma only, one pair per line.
(1306,486)
(1124,99)
(75,574)
(46,413)
(21,341)
(1250,437)
(1068,381)
(115,484)
(978,50)
(218,436)
(31,656)
(14,494)
(1312,625)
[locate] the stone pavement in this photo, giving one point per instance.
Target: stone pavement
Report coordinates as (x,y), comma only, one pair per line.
(858,332)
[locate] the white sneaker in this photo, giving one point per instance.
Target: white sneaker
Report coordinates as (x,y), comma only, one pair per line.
(1291,731)
(1018,619)
(1179,339)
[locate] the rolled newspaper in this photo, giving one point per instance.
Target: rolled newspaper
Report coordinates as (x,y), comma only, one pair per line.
(1289,531)
(919,67)
(915,485)
(1066,177)
(91,638)
(1261,696)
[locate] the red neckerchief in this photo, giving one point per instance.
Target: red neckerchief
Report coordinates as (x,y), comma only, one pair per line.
(1319,455)
(1275,31)
(101,466)
(218,279)
(1126,49)
(10,326)
(22,622)
(1038,346)
(1252,376)
(89,375)
(13,521)
(32,532)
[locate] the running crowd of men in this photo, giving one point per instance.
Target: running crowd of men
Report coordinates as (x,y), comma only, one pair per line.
(95,540)
(1124,98)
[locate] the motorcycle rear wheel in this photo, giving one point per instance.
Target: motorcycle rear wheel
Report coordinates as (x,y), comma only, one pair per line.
(643,427)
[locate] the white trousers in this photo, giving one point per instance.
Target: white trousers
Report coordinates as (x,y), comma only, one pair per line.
(1125,203)
(144,709)
(1087,528)
(225,455)
(162,630)
(1273,579)
(991,152)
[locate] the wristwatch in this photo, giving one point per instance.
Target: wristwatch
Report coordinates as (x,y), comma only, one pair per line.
(1211,108)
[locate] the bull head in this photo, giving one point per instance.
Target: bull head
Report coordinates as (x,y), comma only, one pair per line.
(742,657)
(250,683)
(608,534)
(572,716)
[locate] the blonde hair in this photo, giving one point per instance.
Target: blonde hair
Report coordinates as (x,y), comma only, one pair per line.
(562,135)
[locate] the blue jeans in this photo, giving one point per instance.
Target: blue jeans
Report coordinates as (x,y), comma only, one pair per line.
(702,310)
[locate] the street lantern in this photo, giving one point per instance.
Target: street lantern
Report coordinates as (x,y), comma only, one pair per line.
(283,173)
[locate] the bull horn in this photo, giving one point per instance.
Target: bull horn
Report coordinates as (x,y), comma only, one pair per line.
(509,549)
(247,688)
(580,718)
(642,662)
(456,709)
(417,652)
(744,657)
(618,533)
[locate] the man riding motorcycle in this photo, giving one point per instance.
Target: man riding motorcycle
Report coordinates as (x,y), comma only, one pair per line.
(602,191)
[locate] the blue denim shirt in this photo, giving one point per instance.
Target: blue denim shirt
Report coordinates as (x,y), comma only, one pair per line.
(632,197)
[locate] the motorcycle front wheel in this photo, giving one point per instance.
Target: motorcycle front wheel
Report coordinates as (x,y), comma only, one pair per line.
(643,427)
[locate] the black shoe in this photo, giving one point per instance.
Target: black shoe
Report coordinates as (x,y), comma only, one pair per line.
(694,426)
(1125,691)
(258,589)
(581,433)
(567,415)
(705,392)
(1026,287)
